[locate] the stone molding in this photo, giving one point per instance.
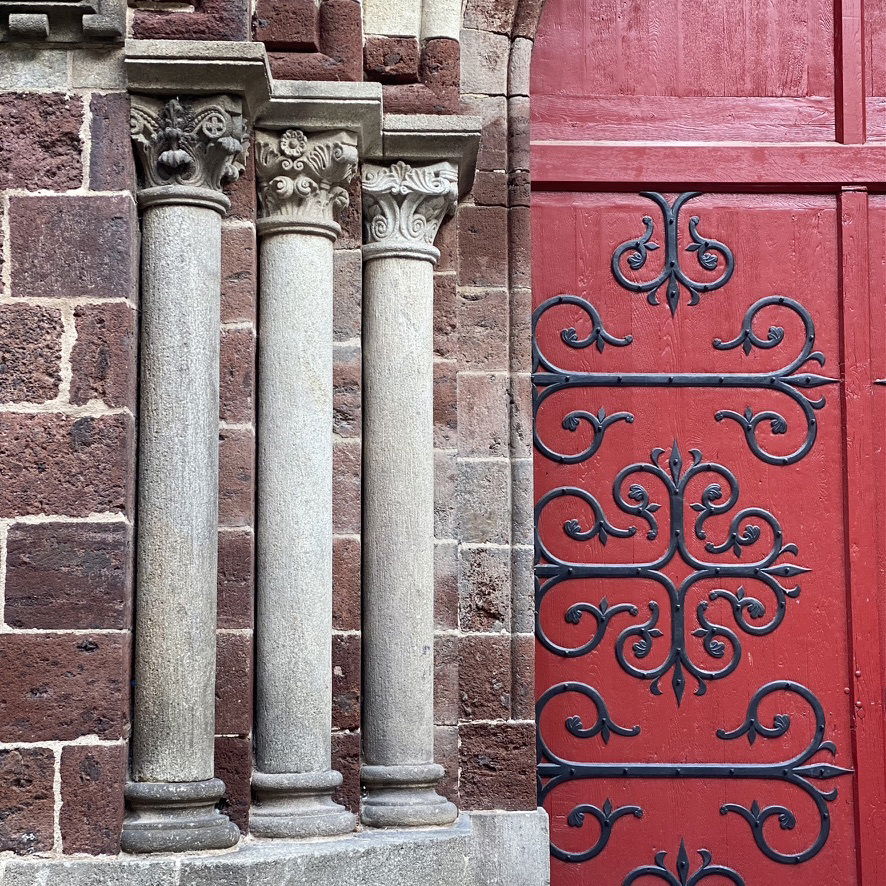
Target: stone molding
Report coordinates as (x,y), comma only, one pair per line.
(404,206)
(189,142)
(62,21)
(301,179)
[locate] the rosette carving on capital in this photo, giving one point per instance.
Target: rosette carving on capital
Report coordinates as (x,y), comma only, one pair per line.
(195,142)
(404,206)
(301,177)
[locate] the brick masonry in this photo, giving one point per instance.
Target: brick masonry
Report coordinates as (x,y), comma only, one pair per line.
(68,336)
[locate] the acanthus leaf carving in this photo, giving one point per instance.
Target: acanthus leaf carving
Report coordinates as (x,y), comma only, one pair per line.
(404,206)
(195,142)
(302,178)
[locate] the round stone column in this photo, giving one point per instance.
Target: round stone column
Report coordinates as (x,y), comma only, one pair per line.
(403,208)
(187,150)
(300,186)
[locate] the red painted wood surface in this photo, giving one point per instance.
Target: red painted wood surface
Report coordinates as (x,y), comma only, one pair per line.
(627,97)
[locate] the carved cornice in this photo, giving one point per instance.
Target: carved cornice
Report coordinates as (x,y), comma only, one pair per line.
(404,206)
(195,142)
(301,178)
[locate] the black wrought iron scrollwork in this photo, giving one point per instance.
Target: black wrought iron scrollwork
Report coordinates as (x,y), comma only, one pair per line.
(683,877)
(744,536)
(789,380)
(800,770)
(708,253)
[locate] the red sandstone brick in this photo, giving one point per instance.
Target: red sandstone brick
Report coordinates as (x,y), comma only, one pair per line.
(52,464)
(236,478)
(446,754)
(104,355)
(290,25)
(238,264)
(416,98)
(349,218)
(31,348)
(69,576)
(491,15)
(445,405)
(92,798)
(346,476)
(483,246)
(484,677)
(446,586)
(483,329)
(445,307)
(346,379)
(346,681)
(493,110)
(57,687)
(73,247)
(497,764)
(484,412)
(446,670)
(237,376)
(242,193)
(490,188)
(346,760)
(40,147)
(233,684)
(391,59)
(233,765)
(348,289)
(211,20)
(346,584)
(485,589)
(445,495)
(523,670)
(27,803)
(236,578)
(111,162)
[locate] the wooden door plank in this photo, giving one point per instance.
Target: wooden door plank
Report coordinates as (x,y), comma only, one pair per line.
(849,86)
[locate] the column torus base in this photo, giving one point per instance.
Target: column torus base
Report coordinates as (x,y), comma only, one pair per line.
(404,796)
(297,804)
(176,817)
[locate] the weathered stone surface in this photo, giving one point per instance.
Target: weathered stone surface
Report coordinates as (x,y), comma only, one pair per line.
(288,25)
(346,516)
(490,15)
(238,264)
(50,464)
(111,163)
(445,405)
(483,329)
(60,686)
(440,67)
(233,765)
(490,188)
(484,677)
(446,666)
(69,576)
(236,578)
(511,848)
(445,307)
(27,805)
(484,501)
(484,62)
(346,380)
(445,494)
(346,681)
(73,247)
(522,510)
(446,754)
(485,589)
(346,584)
(350,218)
(523,671)
(237,376)
(214,20)
(233,684)
(41,143)
(484,415)
(483,246)
(92,780)
(30,342)
(104,354)
(348,289)
(446,586)
(497,766)
(493,110)
(391,59)
(236,483)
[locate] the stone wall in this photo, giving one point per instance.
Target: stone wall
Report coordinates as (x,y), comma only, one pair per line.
(68,296)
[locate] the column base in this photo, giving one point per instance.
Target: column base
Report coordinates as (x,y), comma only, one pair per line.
(176,817)
(297,804)
(404,797)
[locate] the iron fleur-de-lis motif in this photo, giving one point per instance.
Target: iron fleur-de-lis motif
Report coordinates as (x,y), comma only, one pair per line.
(708,252)
(683,877)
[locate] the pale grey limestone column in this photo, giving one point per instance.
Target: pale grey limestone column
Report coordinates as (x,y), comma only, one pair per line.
(402,211)
(187,150)
(300,186)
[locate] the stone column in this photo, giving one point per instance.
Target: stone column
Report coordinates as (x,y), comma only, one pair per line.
(187,150)
(402,211)
(300,186)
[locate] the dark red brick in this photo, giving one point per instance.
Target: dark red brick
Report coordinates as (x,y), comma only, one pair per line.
(446,586)
(497,763)
(348,288)
(290,25)
(445,405)
(92,798)
(30,353)
(242,193)
(233,684)
(485,589)
(73,247)
(483,246)
(346,584)
(51,464)
(491,15)
(346,376)
(73,576)
(445,326)
(346,760)
(346,681)
(346,476)
(440,66)
(446,754)
(349,218)
(41,146)
(27,802)
(103,361)
(446,667)
(447,242)
(59,687)
(483,329)
(484,677)
(416,98)
(523,671)
(391,59)
(111,163)
(233,765)
(236,480)
(237,376)
(490,188)
(210,20)
(236,578)
(238,274)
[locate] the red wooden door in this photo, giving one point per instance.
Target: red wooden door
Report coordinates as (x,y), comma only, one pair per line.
(709,299)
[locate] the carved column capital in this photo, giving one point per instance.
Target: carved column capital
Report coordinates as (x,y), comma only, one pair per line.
(301,179)
(404,206)
(188,148)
